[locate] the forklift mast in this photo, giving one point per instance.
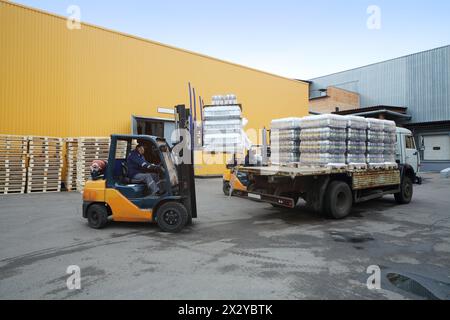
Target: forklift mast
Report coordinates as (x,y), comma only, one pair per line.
(186,173)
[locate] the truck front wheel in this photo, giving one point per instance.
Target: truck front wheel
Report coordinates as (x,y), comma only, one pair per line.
(338,200)
(406,191)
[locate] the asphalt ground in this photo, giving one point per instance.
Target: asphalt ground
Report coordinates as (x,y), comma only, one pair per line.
(236,249)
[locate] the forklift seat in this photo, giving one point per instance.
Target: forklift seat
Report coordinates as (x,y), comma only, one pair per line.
(124,179)
(129,188)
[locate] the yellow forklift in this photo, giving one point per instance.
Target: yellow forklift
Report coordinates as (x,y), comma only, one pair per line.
(112,196)
(257,155)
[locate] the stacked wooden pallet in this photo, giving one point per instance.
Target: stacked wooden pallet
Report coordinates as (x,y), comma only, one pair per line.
(89,149)
(71,155)
(45,164)
(121,150)
(13,172)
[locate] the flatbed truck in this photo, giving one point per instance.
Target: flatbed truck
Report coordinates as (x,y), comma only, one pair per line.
(332,191)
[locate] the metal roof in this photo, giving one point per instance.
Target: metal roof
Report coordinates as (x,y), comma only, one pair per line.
(389,112)
(420,82)
(373,108)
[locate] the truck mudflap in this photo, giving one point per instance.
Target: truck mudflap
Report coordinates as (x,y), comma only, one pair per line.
(268,198)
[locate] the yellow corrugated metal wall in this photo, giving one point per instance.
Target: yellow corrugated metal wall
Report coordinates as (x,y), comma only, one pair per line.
(88,82)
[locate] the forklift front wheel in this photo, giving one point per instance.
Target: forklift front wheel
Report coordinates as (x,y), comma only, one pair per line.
(172,217)
(226,188)
(97,216)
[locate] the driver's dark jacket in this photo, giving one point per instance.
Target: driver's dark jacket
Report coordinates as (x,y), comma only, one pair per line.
(136,163)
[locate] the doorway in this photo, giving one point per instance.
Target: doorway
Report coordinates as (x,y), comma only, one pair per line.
(158,127)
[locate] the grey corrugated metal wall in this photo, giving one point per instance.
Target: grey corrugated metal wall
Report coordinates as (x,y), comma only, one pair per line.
(419,81)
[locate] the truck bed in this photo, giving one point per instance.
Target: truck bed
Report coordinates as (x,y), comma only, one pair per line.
(305,171)
(361,178)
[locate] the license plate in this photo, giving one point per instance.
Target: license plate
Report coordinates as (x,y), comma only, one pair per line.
(254,196)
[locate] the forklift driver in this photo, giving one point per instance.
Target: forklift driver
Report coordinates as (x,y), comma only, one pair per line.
(138,169)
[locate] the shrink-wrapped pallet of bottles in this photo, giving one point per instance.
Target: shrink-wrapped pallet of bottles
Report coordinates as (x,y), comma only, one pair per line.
(222,129)
(285,141)
(334,141)
(323,141)
(389,140)
(356,142)
(375,143)
(223,125)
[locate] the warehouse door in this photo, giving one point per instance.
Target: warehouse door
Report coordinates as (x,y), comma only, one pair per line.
(437,148)
(153,127)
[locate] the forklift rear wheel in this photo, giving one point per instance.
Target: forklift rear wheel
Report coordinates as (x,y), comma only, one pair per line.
(406,191)
(226,188)
(97,216)
(338,200)
(172,217)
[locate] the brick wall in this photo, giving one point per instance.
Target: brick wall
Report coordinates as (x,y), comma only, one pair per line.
(335,98)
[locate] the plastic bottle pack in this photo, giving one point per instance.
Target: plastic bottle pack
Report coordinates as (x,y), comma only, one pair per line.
(357,142)
(286,123)
(375,124)
(375,136)
(323,146)
(322,159)
(357,160)
(285,140)
(356,135)
(375,143)
(222,112)
(358,123)
(357,147)
(323,140)
(325,133)
(390,140)
(289,134)
(325,120)
(222,127)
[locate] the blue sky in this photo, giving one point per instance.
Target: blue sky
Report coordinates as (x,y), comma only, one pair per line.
(293,38)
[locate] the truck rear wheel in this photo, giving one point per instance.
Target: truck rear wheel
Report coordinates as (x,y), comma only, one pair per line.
(172,217)
(97,216)
(338,200)
(406,191)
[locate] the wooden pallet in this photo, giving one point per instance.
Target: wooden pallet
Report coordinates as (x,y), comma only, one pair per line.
(44,172)
(12,190)
(71,161)
(89,149)
(32,190)
(13,152)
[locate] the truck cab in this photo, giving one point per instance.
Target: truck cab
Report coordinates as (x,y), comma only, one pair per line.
(406,151)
